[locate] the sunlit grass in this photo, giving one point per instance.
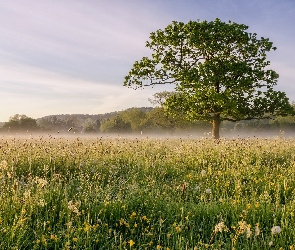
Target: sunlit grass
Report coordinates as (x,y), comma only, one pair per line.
(59,193)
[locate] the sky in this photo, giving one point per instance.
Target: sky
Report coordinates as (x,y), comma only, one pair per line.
(71,56)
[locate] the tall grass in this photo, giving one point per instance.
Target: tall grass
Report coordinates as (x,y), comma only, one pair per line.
(59,193)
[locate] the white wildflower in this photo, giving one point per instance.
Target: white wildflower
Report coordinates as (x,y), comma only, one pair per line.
(257,230)
(248,232)
(42,203)
(27,194)
(3,165)
(40,182)
(69,224)
(203,172)
(197,188)
(245,228)
(276,230)
(270,243)
(74,207)
(220,227)
(208,191)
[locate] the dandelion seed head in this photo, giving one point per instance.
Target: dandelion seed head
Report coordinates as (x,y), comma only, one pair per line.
(276,230)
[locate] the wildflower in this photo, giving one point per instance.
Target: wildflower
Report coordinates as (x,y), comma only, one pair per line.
(53,237)
(244,228)
(276,230)
(131,243)
(73,206)
(27,194)
(220,227)
(122,222)
(248,232)
(197,188)
(40,182)
(270,243)
(132,215)
(203,172)
(208,191)
(257,229)
(159,247)
(69,224)
(3,165)
(75,239)
(41,203)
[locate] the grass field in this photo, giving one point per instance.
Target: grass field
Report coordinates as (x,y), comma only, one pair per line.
(116,193)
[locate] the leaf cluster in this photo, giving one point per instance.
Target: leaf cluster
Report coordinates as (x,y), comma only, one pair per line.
(217,67)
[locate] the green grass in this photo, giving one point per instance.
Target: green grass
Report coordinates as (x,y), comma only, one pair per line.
(59,193)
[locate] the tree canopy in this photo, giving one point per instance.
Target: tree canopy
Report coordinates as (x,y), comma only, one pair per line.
(220,72)
(20,123)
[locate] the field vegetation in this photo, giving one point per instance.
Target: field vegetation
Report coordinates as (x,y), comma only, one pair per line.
(142,193)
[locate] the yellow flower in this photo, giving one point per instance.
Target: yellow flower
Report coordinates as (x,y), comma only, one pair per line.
(75,239)
(131,243)
(132,215)
(159,247)
(53,237)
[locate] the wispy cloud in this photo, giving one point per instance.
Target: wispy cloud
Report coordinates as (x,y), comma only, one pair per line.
(72,56)
(38,92)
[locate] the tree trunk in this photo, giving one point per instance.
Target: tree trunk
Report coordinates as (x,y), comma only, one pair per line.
(215,126)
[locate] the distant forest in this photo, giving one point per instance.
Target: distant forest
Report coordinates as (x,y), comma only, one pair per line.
(145,120)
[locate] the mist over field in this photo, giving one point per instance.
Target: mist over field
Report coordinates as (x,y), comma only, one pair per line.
(99,151)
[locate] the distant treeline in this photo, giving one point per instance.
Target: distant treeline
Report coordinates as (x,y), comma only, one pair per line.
(138,120)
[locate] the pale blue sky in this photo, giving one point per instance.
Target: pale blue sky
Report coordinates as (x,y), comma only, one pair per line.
(71,56)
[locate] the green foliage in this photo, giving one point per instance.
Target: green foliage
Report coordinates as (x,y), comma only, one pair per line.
(153,121)
(91,126)
(219,69)
(115,125)
(20,123)
(134,116)
(146,193)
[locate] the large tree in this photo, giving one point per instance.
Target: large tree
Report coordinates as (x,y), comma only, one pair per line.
(220,71)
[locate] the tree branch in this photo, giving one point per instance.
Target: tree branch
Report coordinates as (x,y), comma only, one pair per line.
(247,118)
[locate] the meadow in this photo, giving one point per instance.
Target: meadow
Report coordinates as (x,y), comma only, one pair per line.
(145,193)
